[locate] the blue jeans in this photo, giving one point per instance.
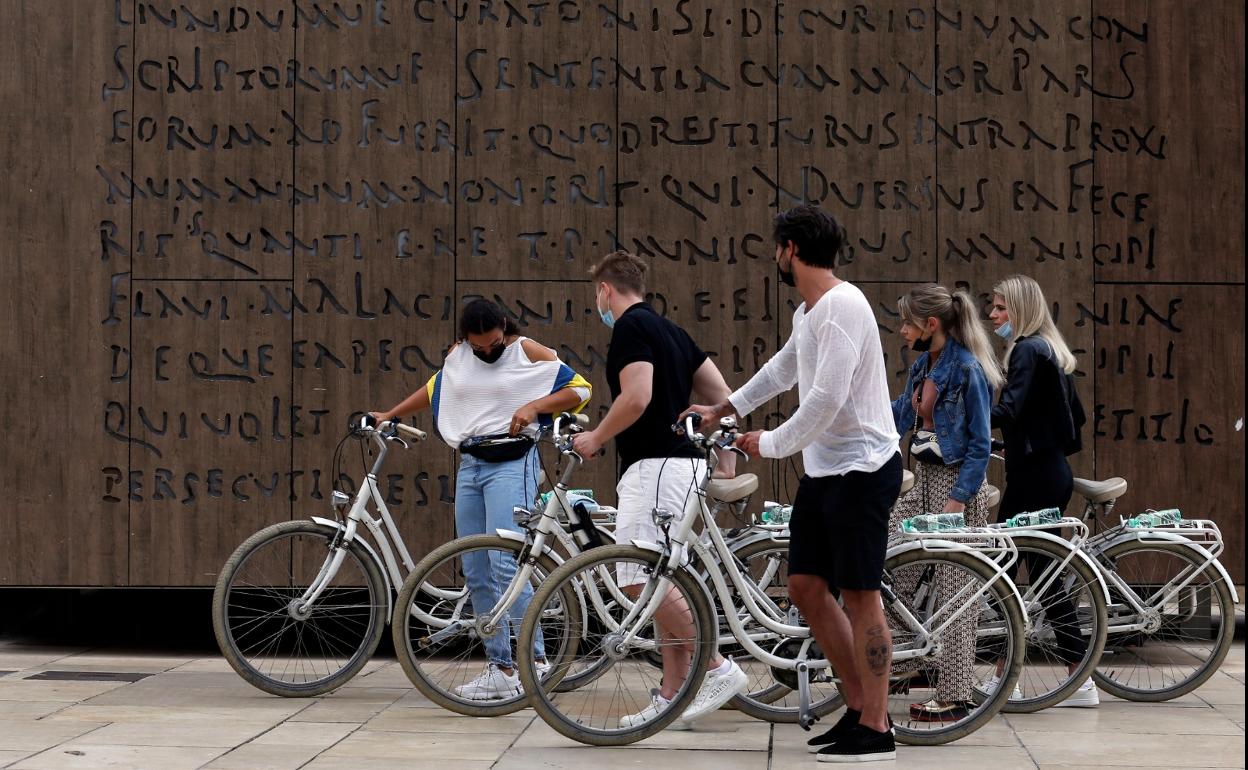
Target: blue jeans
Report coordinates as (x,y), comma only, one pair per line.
(484,496)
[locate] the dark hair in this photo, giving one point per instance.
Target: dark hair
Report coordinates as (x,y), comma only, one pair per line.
(481,316)
(622,270)
(818,237)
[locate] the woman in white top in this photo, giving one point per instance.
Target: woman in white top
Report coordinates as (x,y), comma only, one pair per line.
(487,400)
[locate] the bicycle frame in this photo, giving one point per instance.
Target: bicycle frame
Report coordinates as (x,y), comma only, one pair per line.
(718,558)
(388,539)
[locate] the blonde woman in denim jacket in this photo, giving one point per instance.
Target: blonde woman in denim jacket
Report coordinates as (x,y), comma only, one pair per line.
(948,397)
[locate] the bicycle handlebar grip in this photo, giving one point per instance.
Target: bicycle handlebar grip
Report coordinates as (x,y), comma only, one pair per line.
(579,419)
(997,445)
(366,421)
(410,432)
(681,429)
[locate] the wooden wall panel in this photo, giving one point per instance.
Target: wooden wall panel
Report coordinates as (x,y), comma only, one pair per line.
(212,102)
(1170,409)
(698,190)
(387,254)
(855,84)
(1007,93)
(1169,135)
(64,266)
(345,175)
(212,435)
(534,109)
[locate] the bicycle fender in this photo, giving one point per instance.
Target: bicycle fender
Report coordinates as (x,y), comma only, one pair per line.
(516,537)
(646,545)
(1168,537)
(927,544)
(368,548)
(1079,554)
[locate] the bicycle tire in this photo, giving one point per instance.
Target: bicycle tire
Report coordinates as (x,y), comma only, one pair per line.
(1222,643)
(1096,643)
(760,705)
(228,644)
(542,698)
(1008,601)
(401,628)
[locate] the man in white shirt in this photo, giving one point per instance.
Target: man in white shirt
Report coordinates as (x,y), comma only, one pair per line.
(845,431)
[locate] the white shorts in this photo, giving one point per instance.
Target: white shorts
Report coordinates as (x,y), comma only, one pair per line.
(657,482)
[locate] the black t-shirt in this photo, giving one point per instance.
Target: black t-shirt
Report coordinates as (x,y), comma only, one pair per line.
(641,334)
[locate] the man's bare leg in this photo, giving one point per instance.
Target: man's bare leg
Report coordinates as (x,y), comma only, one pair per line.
(873,651)
(832,630)
(674,621)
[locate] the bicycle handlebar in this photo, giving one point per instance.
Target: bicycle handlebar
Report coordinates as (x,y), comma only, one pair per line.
(390,428)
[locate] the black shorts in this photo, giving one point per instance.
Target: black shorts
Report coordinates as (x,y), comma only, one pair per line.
(839,527)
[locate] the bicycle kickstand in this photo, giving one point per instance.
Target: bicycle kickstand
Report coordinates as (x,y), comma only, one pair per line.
(805,717)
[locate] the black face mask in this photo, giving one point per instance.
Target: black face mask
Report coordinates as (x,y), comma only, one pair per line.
(491,355)
(786,276)
(921,345)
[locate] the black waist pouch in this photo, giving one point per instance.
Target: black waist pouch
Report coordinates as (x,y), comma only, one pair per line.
(497,448)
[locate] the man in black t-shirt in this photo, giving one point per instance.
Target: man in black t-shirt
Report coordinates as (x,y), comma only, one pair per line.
(652,368)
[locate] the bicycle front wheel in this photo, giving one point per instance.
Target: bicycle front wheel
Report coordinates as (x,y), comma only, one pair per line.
(977,624)
(275,640)
(617,707)
(1182,633)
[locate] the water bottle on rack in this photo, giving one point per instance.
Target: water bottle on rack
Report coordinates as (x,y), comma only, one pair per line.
(1035,518)
(1156,518)
(934,522)
(776,513)
(572,495)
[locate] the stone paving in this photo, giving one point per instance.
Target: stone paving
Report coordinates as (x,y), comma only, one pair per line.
(194,712)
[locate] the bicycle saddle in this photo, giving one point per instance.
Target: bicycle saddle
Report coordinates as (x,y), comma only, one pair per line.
(1101,491)
(907,481)
(994,496)
(732,490)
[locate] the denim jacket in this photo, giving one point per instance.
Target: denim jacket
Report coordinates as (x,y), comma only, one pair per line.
(962,415)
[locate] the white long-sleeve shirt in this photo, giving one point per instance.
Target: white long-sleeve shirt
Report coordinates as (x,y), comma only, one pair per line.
(834,356)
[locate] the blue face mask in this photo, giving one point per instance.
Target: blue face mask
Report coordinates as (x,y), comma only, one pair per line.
(607,316)
(1005,331)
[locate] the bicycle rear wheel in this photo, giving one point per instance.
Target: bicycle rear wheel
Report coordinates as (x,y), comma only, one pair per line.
(934,586)
(1185,636)
(772,695)
(270,638)
(435,628)
(614,708)
(1064,604)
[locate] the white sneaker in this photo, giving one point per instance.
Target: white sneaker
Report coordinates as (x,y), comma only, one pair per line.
(1085,697)
(657,705)
(543,668)
(717,689)
(991,686)
(492,685)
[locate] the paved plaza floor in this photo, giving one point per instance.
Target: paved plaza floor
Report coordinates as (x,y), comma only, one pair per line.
(173,712)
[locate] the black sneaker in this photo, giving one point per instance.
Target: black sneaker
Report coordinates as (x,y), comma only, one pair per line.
(861,744)
(847,722)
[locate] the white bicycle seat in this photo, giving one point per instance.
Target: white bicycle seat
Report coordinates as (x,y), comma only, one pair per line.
(732,490)
(994,496)
(1101,491)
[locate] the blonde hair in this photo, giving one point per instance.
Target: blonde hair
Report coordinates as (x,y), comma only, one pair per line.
(1030,317)
(959,319)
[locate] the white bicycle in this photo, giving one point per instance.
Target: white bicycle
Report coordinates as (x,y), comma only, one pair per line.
(442,643)
(300,606)
(611,709)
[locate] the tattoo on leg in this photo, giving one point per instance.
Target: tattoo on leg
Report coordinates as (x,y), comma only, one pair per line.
(879,653)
